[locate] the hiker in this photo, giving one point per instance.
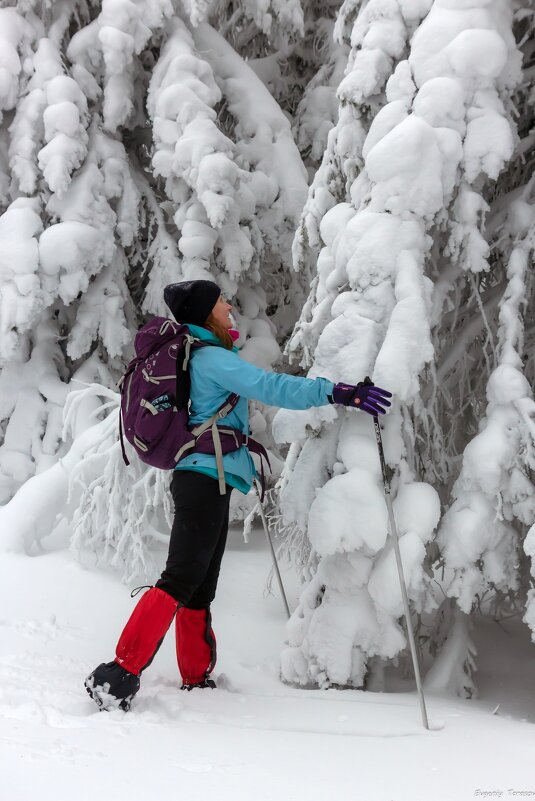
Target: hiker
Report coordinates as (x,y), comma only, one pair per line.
(188,583)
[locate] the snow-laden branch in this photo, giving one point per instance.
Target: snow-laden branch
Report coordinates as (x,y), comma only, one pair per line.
(31,514)
(16,36)
(494,492)
(378,38)
(266,140)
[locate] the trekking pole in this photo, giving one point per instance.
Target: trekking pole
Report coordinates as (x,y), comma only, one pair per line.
(395,538)
(268,537)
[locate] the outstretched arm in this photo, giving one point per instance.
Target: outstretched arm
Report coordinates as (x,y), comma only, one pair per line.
(233,374)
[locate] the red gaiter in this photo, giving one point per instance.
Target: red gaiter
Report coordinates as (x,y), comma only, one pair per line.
(145,630)
(195,644)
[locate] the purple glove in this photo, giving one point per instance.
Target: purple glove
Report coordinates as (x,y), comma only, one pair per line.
(365,396)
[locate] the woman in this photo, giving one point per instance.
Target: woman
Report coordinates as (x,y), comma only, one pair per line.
(187,586)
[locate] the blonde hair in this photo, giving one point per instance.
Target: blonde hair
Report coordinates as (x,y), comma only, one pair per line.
(220,331)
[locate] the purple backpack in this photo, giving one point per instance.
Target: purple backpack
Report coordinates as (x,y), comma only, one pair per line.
(155,397)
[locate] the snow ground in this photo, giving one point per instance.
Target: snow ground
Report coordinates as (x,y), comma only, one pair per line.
(256,739)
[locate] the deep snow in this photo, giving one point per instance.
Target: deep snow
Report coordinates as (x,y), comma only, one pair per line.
(252,738)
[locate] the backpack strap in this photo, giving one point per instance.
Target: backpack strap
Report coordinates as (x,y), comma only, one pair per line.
(190,340)
(120,386)
(254,447)
(181,395)
(219,459)
(211,423)
(121,437)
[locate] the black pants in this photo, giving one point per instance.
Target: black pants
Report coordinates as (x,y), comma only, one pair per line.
(198,539)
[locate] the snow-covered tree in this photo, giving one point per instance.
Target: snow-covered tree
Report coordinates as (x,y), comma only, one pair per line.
(138,148)
(397,224)
(483,534)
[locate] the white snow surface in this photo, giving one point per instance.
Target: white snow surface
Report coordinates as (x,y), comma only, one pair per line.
(253,737)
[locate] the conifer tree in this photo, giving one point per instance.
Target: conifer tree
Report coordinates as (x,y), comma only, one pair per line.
(405,291)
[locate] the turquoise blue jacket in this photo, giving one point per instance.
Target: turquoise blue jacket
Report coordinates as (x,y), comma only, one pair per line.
(217,372)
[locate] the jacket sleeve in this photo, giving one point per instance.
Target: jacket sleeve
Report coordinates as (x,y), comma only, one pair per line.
(233,374)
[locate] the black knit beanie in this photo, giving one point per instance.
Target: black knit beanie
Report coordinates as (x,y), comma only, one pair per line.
(191,301)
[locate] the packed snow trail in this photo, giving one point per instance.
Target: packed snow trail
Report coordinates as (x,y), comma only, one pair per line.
(252,738)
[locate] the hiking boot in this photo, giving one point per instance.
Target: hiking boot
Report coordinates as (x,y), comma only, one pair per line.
(201,684)
(112,687)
